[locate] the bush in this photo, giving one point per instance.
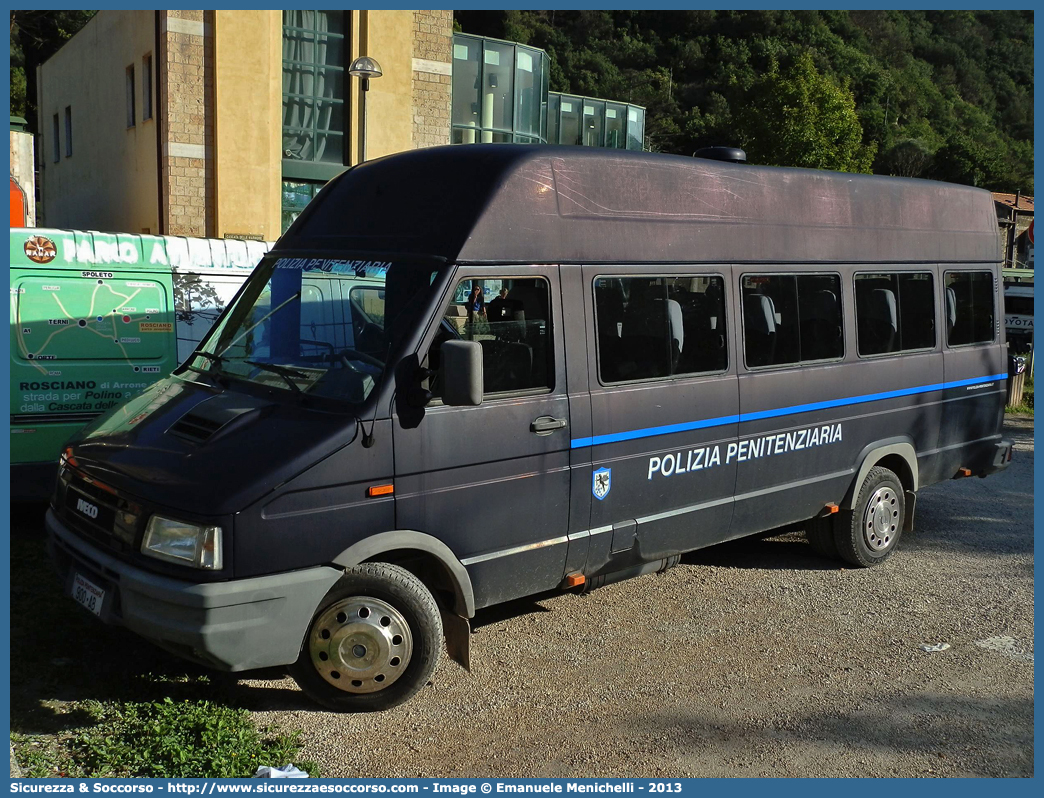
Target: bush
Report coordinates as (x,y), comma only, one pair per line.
(186,739)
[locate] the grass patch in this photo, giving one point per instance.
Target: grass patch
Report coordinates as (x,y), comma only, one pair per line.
(107,703)
(160,739)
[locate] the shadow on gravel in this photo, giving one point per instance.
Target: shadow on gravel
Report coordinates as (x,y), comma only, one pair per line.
(965,735)
(789,552)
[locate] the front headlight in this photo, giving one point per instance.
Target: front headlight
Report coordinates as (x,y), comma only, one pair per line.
(182,542)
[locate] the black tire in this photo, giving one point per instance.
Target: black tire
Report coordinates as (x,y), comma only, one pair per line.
(869,534)
(820,532)
(378,633)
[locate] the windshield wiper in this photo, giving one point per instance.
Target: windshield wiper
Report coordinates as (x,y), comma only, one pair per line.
(282,371)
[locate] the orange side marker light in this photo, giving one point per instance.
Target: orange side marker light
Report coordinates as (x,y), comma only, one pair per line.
(380,490)
(832,508)
(575,580)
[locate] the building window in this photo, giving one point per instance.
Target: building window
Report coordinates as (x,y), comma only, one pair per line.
(894,312)
(296,195)
(659,327)
(56,146)
(146,87)
(791,318)
(68,131)
(313,89)
(969,308)
(499,92)
(130,96)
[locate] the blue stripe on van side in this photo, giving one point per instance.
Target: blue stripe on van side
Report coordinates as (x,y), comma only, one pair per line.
(650,432)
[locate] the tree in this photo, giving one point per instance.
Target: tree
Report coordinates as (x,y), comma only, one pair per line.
(35,37)
(907,158)
(799,117)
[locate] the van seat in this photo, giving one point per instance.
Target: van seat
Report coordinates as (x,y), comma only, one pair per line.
(759,322)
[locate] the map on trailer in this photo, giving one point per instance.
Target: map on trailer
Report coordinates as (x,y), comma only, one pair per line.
(96,317)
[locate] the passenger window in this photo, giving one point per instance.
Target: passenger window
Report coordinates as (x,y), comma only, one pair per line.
(511,319)
(792,318)
(969,307)
(657,327)
(894,312)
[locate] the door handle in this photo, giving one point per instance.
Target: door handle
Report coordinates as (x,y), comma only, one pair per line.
(545,425)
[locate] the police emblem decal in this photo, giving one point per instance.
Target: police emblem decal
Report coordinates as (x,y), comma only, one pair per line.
(601,482)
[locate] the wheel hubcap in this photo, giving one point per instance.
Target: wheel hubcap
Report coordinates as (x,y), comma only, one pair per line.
(881,519)
(361,644)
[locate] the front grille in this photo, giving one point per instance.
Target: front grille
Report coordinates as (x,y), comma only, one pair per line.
(98,512)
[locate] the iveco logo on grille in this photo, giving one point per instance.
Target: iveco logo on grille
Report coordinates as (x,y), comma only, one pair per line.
(87,508)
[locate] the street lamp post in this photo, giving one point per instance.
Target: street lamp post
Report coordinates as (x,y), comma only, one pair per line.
(365,68)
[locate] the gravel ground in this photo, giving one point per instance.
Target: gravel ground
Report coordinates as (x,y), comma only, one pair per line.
(753,658)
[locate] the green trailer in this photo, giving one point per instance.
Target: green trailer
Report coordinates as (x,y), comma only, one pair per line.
(97,317)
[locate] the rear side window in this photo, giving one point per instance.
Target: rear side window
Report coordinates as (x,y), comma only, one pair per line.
(895,312)
(659,327)
(969,308)
(791,318)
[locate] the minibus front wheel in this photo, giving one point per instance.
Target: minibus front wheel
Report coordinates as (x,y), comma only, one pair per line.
(373,642)
(869,534)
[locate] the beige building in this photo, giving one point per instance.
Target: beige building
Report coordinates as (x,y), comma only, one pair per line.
(225,123)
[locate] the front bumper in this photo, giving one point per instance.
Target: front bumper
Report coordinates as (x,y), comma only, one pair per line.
(234,626)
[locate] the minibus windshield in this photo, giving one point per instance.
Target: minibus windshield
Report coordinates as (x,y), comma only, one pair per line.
(316,326)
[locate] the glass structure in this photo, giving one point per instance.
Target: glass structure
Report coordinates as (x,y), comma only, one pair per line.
(499,91)
(572,119)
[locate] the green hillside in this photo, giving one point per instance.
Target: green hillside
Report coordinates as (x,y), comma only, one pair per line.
(939,94)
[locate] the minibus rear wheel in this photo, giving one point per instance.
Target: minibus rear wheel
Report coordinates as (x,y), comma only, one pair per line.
(373,642)
(870,534)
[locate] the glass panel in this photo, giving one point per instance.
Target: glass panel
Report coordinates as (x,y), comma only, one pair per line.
(569,133)
(329,147)
(496,87)
(329,84)
(543,104)
(298,80)
(770,320)
(894,312)
(299,46)
(331,50)
(466,82)
(819,303)
(528,83)
(330,21)
(298,144)
(510,318)
(616,126)
(594,122)
(917,310)
(636,129)
(553,106)
(877,315)
(969,307)
(657,327)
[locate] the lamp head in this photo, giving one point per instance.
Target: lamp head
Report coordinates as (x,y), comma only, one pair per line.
(365,67)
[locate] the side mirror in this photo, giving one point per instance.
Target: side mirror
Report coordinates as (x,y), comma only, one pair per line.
(461,373)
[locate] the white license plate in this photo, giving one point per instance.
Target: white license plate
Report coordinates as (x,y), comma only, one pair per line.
(87,594)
